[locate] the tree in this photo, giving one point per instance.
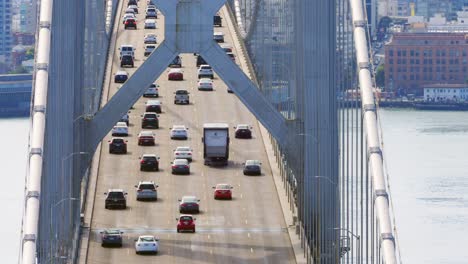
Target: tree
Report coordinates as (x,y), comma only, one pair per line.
(29,54)
(19,70)
(380,76)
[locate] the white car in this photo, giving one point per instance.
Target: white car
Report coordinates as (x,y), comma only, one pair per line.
(130,11)
(150,24)
(205,84)
(134,7)
(150,39)
(149,48)
(128,15)
(218,36)
(146,244)
(205,71)
(183,153)
(120,129)
(152,91)
(146,190)
(179,132)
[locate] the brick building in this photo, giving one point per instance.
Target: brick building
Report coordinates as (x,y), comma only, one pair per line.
(414,60)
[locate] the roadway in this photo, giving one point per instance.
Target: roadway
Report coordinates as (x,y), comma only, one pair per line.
(248,229)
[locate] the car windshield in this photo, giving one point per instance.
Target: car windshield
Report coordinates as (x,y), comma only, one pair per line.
(112,232)
(147,187)
(150,116)
(116,195)
(186,218)
(222,186)
(147,239)
(149,158)
(118,140)
(181,92)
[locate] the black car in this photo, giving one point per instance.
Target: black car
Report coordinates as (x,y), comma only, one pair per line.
(127,60)
(176,63)
(149,162)
(111,238)
(117,145)
(243,131)
(252,167)
(132,2)
(200,61)
(130,23)
(217,21)
(150,120)
(120,77)
(154,107)
(115,198)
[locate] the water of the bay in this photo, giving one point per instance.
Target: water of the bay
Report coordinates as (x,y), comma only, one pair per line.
(426,153)
(13,158)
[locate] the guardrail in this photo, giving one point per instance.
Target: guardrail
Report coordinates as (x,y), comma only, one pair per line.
(29,229)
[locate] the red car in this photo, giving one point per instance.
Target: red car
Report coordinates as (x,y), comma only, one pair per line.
(146,138)
(223,191)
(175,74)
(186,223)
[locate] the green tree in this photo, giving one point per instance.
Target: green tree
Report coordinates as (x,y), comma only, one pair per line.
(29,54)
(19,70)
(380,76)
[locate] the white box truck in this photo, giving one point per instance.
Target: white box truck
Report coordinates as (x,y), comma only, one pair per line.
(216,144)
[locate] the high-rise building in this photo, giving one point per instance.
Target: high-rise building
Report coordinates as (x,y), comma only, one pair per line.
(5,30)
(28,16)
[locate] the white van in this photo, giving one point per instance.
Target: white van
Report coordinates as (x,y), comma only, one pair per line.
(127,50)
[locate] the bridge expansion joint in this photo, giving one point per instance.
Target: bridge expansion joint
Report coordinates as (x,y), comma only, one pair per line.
(35,151)
(32,194)
(360,23)
(44,24)
(39,108)
(29,238)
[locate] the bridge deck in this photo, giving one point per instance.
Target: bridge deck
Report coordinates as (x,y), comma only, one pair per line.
(248,229)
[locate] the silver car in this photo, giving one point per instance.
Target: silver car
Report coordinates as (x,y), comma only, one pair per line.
(181,97)
(146,190)
(180,166)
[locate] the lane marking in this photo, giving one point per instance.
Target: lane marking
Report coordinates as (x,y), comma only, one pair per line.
(248,235)
(251,250)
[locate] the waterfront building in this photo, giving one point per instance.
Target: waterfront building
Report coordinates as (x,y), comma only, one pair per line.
(5,30)
(414,60)
(446,93)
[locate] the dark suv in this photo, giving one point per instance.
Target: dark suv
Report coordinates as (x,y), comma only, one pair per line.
(111,238)
(200,61)
(217,21)
(127,60)
(115,198)
(149,162)
(130,23)
(117,145)
(176,63)
(150,120)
